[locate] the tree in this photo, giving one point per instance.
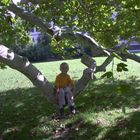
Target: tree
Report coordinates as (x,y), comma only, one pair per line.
(78,21)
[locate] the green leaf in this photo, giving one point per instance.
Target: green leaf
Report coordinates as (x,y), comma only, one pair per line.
(107,74)
(125,69)
(76,22)
(2,66)
(6,2)
(53,42)
(121,67)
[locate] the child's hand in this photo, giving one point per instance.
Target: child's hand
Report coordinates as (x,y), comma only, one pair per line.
(71,87)
(57,90)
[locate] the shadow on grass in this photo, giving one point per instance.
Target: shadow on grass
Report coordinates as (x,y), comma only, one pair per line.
(86,131)
(108,95)
(25,113)
(126,128)
(21,110)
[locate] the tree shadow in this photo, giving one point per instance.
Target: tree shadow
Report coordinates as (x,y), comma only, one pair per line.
(109,95)
(81,130)
(126,128)
(21,110)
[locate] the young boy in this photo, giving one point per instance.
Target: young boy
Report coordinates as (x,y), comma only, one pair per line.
(64,86)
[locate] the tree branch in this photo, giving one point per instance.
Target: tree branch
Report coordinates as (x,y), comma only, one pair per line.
(22,64)
(30,17)
(59,32)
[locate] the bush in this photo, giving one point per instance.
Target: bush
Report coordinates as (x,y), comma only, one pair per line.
(36,53)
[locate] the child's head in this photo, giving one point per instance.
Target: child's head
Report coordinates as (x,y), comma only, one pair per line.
(64,67)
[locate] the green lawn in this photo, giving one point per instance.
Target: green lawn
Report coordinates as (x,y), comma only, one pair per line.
(106,110)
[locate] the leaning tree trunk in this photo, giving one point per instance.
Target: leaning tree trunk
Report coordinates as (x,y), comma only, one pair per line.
(22,65)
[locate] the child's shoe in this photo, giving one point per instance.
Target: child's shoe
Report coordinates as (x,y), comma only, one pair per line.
(72,110)
(61,112)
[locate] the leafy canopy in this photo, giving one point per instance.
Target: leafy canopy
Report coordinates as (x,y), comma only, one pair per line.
(106,20)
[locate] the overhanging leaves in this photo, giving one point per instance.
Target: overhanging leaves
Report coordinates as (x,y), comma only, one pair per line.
(107,75)
(122,67)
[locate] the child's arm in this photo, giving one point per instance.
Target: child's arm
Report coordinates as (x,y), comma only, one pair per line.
(71,83)
(57,84)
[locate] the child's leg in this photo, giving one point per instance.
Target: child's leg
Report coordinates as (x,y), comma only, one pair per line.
(61,98)
(61,101)
(70,99)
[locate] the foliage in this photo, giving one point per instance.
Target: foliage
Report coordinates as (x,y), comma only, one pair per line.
(43,51)
(107,74)
(102,19)
(66,48)
(121,67)
(13,31)
(35,53)
(21,35)
(107,21)
(2,66)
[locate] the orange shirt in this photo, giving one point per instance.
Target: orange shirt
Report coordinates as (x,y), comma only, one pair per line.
(63,80)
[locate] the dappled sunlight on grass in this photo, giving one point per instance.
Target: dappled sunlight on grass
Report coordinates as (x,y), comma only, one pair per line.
(106,109)
(125,128)
(103,109)
(107,95)
(104,104)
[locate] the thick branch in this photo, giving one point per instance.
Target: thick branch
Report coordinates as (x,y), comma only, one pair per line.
(30,17)
(59,32)
(81,84)
(24,66)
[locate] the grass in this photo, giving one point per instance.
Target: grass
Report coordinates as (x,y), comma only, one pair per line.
(107,109)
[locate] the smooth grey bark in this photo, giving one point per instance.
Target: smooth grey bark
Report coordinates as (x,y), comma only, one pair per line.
(22,65)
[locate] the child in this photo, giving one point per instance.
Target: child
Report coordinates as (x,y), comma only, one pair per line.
(64,85)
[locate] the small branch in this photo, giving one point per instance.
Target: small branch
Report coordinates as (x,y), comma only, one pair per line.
(103,66)
(131,56)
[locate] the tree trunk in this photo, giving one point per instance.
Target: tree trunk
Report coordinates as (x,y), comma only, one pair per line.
(22,65)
